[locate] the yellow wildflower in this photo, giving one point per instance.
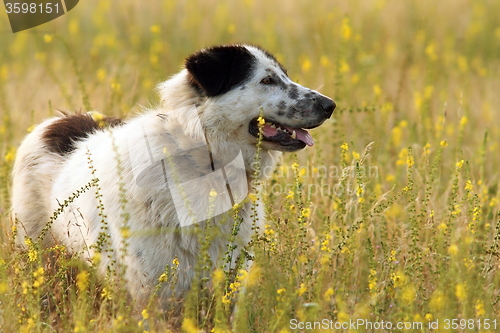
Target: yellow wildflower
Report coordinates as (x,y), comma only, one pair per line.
(302,289)
(3,287)
(396,134)
(101,74)
(82,280)
(453,249)
(252,197)
(427,148)
(11,155)
(125,231)
(430,50)
(344,66)
(106,294)
(254,275)
(268,231)
(324,62)
(302,172)
(438,300)
(96,258)
(79,327)
(480,308)
(115,86)
(39,278)
(155,29)
(410,161)
(231,28)
(408,295)
(306,65)
(463,121)
(345,30)
(372,283)
(461,292)
(25,286)
(189,326)
(328,294)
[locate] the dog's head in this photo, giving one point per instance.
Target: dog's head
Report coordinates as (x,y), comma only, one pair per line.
(238,81)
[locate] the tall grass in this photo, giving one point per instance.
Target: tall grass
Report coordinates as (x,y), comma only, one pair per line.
(393,214)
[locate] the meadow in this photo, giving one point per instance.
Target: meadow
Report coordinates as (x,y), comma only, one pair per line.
(391,218)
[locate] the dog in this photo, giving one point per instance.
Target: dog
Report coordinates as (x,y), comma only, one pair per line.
(144,191)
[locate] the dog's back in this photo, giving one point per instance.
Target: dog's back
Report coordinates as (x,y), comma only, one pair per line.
(39,159)
(33,175)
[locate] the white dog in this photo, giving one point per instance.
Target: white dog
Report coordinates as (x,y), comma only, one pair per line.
(144,191)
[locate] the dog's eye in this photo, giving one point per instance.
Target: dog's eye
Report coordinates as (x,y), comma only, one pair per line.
(267,80)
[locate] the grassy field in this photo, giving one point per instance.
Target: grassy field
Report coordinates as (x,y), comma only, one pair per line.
(392,217)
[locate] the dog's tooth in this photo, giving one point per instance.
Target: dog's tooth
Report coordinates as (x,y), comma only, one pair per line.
(273,125)
(294,135)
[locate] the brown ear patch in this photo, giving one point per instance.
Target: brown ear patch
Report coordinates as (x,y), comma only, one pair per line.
(60,136)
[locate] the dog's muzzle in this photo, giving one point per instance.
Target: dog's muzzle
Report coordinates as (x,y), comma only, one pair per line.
(292,135)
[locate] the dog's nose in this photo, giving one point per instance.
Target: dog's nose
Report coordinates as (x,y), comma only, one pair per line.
(328,105)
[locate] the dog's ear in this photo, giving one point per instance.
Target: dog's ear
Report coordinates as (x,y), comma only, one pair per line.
(218,69)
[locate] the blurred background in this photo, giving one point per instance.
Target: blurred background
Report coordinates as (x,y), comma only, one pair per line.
(418,78)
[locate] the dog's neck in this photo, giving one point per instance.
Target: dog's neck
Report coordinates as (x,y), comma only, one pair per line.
(180,101)
(176,93)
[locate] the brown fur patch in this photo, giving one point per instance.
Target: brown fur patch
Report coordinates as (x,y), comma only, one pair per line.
(61,135)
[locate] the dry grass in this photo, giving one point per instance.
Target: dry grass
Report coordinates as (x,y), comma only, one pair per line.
(407,230)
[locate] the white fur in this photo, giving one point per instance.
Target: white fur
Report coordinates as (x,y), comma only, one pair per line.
(42,180)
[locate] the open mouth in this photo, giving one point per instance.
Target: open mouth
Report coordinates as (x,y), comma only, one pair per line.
(296,138)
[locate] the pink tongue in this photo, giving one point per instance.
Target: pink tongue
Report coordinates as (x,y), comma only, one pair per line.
(302,135)
(269,131)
